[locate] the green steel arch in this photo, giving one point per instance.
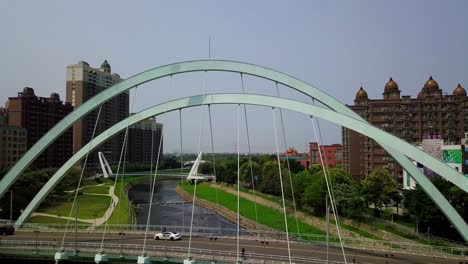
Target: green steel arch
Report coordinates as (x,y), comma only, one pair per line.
(229,66)
(212,99)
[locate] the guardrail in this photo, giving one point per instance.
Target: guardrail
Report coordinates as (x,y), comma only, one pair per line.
(46,247)
(268,235)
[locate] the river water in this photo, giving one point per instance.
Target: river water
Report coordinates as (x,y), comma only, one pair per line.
(170,209)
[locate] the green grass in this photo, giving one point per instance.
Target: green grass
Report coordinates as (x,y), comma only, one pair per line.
(277,200)
(411,225)
(359,231)
(39,219)
(89,206)
(121,214)
(102,189)
(267,216)
(414,237)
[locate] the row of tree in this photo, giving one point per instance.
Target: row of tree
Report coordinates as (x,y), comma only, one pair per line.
(357,200)
(29,184)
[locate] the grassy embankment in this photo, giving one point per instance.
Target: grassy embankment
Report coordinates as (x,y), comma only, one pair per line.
(267,216)
(39,219)
(289,204)
(89,206)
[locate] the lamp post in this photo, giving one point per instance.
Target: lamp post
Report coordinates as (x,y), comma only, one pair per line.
(11,205)
(36,232)
(428,235)
(121,234)
(76,225)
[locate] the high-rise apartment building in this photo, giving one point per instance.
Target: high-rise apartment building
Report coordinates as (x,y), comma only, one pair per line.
(12,145)
(3,116)
(331,154)
(430,115)
(38,115)
(84,82)
(143,142)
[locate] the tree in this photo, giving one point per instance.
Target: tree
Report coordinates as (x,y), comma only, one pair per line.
(314,194)
(356,205)
(378,188)
(271,183)
(300,182)
(206,168)
(428,215)
(295,166)
(226,170)
(246,173)
(170,162)
(315,169)
(397,198)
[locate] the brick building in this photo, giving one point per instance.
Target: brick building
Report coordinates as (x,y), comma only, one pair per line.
(38,115)
(332,154)
(430,114)
(12,145)
(143,142)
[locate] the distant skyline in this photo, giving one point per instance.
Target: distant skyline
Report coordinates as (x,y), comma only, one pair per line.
(335,45)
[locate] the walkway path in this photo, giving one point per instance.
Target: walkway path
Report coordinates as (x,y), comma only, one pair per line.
(94,222)
(84,187)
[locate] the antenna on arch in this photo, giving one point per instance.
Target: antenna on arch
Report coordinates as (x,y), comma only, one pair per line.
(209,47)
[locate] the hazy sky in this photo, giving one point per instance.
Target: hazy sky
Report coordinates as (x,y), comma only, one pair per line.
(335,45)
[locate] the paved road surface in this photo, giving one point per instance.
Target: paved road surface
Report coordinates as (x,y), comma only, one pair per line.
(229,244)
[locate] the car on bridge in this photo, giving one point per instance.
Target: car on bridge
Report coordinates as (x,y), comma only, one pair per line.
(6,229)
(167,236)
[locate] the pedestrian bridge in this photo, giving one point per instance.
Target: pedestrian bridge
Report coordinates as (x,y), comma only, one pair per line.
(41,241)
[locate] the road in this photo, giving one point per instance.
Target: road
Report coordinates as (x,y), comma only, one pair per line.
(230,244)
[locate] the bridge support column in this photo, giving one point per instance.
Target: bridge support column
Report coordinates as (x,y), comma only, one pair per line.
(101,258)
(60,255)
(189,260)
(144,260)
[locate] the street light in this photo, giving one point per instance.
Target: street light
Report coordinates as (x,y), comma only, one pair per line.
(76,225)
(121,234)
(36,232)
(11,205)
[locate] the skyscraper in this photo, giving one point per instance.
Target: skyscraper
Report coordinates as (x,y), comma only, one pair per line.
(38,115)
(143,142)
(430,115)
(84,82)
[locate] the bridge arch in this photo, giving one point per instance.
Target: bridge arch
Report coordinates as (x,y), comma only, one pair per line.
(250,99)
(249,69)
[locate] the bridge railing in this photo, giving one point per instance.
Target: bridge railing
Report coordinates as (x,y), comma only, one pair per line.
(163,252)
(264,236)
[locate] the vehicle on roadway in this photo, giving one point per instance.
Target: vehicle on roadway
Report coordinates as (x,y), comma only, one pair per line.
(167,236)
(6,229)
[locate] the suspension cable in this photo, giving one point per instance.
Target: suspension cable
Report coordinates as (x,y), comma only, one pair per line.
(238,174)
(214,167)
(250,159)
(122,156)
(327,168)
(196,181)
(152,148)
(81,178)
(281,182)
(287,162)
(181,169)
(154,183)
(329,190)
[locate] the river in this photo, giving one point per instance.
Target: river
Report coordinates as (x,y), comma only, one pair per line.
(169,208)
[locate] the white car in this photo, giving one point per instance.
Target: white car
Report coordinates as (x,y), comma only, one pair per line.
(167,236)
